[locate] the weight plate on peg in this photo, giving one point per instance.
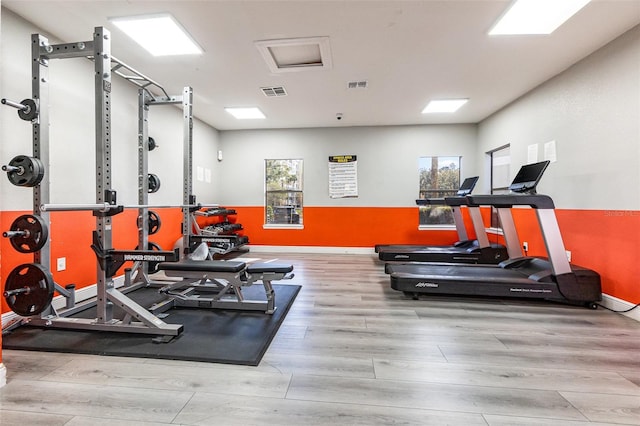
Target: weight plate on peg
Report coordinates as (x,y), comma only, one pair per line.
(152,144)
(25,171)
(30,110)
(29,289)
(154,183)
(34,233)
(154,222)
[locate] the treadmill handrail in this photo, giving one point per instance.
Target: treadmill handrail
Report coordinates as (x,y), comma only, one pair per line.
(537,201)
(456,201)
(430,202)
(446,201)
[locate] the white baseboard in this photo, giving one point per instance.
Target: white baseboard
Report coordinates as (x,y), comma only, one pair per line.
(311,249)
(620,305)
(3,375)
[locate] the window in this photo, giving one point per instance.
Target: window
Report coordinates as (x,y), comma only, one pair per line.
(500,170)
(500,177)
(439,177)
(283,194)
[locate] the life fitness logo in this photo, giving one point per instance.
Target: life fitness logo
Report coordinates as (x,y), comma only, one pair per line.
(427,285)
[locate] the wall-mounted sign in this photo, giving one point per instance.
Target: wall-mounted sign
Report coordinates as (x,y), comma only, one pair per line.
(343,176)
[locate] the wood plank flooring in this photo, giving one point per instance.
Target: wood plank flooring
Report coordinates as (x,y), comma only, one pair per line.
(354,352)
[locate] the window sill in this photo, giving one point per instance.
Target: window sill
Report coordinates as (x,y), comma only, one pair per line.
(436,227)
(282,226)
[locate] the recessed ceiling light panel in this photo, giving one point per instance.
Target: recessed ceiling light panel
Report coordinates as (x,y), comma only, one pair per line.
(249,113)
(536,16)
(444,105)
(160,35)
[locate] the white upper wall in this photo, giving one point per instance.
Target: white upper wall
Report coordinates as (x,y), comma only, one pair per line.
(387,160)
(592,111)
(72,134)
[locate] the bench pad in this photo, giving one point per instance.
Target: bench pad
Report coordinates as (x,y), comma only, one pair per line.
(203,266)
(277,268)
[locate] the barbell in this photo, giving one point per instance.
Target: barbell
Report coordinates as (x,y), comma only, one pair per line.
(105,207)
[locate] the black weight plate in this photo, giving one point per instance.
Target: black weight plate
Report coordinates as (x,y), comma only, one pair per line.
(30,112)
(31,171)
(152,143)
(39,286)
(154,183)
(154,222)
(36,233)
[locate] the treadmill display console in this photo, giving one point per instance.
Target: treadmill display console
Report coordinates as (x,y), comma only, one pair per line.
(467,186)
(528,177)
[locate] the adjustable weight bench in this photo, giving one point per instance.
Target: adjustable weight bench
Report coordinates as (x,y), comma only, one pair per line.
(218,284)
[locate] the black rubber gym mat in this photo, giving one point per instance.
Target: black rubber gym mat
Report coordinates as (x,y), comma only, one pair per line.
(210,335)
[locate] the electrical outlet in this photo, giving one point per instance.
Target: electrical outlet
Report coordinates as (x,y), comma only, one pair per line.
(525,246)
(568,255)
(62,264)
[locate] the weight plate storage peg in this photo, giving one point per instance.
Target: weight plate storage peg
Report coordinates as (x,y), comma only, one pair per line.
(28,233)
(25,171)
(29,289)
(154,183)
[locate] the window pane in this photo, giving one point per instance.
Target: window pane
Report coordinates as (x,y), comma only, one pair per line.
(284,207)
(439,177)
(500,177)
(500,169)
(283,196)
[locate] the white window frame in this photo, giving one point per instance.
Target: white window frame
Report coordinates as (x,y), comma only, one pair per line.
(272,225)
(443,192)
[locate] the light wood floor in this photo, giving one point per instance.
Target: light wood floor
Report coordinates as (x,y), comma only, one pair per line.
(354,352)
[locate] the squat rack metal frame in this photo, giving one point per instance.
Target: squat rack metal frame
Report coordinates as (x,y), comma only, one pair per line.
(145,100)
(137,319)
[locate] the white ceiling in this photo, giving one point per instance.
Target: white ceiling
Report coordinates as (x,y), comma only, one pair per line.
(408,51)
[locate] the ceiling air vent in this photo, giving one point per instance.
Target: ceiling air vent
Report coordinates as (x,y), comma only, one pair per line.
(271,92)
(357,84)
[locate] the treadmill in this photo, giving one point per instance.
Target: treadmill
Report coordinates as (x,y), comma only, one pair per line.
(463,251)
(552,278)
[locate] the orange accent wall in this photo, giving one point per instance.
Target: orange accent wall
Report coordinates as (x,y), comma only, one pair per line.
(344,227)
(70,236)
(606,241)
(603,240)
